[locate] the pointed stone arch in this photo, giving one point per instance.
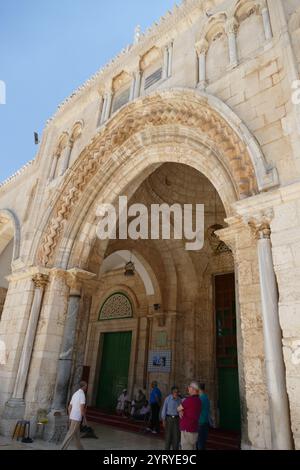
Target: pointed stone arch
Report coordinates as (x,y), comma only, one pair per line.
(196,128)
(11,222)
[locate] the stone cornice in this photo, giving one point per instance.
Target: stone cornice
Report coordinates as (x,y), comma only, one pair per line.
(28,273)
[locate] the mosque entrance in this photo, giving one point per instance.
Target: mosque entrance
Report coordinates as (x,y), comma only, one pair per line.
(227,358)
(114,369)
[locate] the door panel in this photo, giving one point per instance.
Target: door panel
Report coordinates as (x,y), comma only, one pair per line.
(227,360)
(114,369)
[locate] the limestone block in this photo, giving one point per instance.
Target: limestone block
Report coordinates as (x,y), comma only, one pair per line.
(285,217)
(290,318)
(268,71)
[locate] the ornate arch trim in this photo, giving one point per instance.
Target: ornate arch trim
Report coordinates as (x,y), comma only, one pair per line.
(191,109)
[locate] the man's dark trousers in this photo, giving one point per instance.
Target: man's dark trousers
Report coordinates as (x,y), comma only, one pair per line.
(172,433)
(155,426)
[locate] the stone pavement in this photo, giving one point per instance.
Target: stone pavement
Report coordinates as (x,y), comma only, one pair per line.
(108,439)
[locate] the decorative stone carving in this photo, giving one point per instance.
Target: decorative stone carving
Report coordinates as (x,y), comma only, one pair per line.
(116,306)
(40,280)
(260,224)
(157,110)
(217,245)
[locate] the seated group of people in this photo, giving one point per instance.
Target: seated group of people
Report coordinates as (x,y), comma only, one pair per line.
(138,408)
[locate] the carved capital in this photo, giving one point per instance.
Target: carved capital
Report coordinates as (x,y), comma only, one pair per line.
(260,224)
(201,46)
(231,26)
(77,279)
(40,280)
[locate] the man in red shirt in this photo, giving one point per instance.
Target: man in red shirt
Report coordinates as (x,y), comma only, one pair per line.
(190,411)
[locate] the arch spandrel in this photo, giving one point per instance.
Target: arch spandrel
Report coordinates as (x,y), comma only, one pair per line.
(234,149)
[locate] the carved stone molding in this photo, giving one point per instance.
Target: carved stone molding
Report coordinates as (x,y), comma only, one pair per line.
(40,280)
(260,224)
(174,107)
(201,46)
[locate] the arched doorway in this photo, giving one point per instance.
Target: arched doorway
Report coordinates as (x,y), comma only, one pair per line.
(178,300)
(175,127)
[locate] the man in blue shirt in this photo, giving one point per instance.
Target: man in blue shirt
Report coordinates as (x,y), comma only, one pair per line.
(170,418)
(155,403)
(204,419)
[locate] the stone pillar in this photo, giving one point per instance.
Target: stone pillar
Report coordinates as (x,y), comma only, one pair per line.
(170,59)
(53,167)
(104,105)
(267,23)
(100,110)
(67,156)
(76,278)
(202,48)
(274,361)
(231,30)
(16,405)
(132,87)
(109,97)
(166,62)
(137,87)
(81,341)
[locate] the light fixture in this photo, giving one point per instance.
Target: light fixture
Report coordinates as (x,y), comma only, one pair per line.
(129,268)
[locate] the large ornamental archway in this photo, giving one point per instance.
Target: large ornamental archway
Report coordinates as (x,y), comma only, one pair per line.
(180,127)
(172,126)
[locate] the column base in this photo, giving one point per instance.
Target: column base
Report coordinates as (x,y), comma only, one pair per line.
(50,426)
(14,410)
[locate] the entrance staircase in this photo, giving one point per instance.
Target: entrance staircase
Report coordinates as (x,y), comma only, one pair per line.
(218,439)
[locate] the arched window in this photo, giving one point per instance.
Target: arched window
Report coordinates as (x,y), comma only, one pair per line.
(116,306)
(251,25)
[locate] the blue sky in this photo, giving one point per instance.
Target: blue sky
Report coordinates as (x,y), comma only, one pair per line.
(50,47)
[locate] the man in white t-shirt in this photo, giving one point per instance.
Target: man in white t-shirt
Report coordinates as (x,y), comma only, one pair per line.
(76,413)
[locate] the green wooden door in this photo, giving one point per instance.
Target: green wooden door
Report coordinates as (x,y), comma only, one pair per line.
(227,363)
(114,369)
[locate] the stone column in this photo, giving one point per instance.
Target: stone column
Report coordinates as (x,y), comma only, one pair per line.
(102,118)
(67,156)
(274,361)
(132,87)
(202,48)
(170,59)
(109,97)
(267,23)
(81,341)
(166,62)
(100,110)
(231,30)
(137,87)
(17,402)
(76,279)
(53,166)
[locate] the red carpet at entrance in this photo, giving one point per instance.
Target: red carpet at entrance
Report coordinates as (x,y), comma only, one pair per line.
(218,439)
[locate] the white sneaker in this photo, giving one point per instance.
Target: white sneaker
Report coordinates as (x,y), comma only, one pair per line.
(154,432)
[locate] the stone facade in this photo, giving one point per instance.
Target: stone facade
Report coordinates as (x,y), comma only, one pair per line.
(199,109)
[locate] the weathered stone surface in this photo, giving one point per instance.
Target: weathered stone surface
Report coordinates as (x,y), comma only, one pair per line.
(218,87)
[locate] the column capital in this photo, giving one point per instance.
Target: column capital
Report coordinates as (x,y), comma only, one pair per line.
(40,280)
(201,46)
(231,26)
(77,278)
(262,4)
(27,273)
(260,224)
